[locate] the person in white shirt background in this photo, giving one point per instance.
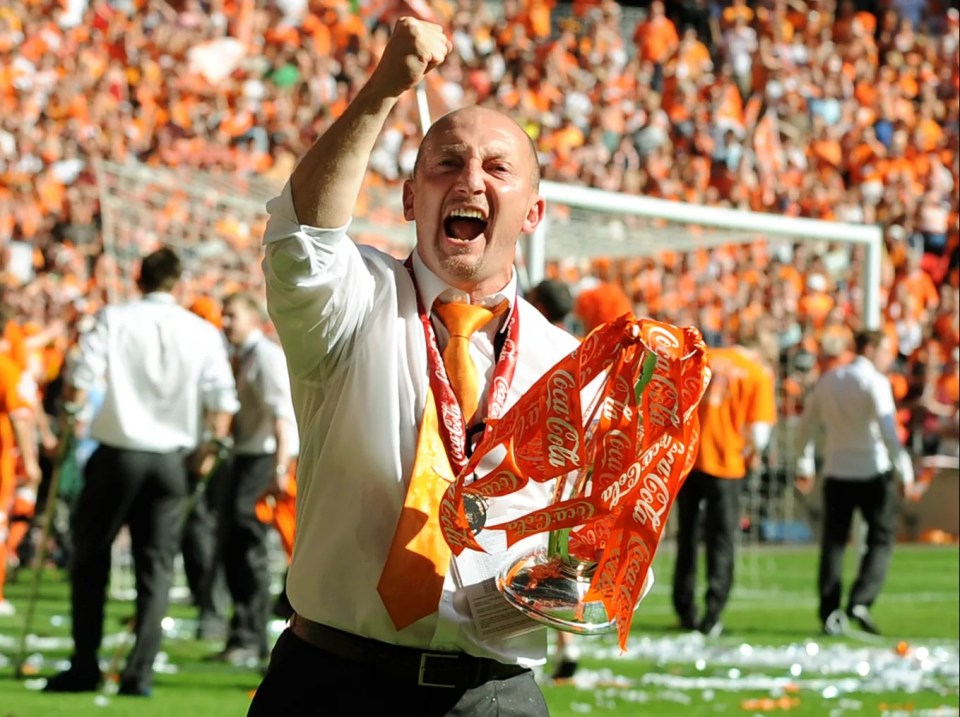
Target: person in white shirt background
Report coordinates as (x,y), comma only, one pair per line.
(362,332)
(852,405)
(265,442)
(165,374)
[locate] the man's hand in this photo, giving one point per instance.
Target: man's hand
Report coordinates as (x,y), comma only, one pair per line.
(912,492)
(276,488)
(206,464)
(31,469)
(414,49)
(208,455)
(804,483)
(49,444)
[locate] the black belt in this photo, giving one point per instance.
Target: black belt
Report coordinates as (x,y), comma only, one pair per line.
(422,667)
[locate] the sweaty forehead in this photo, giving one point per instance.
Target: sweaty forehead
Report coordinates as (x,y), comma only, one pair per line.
(488,133)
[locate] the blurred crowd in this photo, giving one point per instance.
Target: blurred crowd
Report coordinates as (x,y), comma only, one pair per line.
(837,110)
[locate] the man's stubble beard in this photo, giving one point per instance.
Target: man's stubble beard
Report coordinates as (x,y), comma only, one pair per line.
(462,266)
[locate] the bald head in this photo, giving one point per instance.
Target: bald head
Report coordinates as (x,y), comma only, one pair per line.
(489,117)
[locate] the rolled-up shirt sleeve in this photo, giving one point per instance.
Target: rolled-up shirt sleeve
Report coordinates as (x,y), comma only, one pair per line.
(319,290)
(218,388)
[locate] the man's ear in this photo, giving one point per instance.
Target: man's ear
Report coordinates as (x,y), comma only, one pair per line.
(408,200)
(535,215)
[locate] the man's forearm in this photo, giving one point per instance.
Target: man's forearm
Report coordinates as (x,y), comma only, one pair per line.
(219,422)
(24,435)
(327,181)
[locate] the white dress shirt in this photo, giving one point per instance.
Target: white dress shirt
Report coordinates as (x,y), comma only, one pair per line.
(854,408)
(355,346)
(161,365)
(263,386)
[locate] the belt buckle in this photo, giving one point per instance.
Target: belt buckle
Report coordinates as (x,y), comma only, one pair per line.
(421,675)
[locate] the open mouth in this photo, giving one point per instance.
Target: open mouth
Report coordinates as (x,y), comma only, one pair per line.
(464,224)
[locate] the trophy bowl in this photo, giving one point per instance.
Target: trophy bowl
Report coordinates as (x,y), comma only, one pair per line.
(551,591)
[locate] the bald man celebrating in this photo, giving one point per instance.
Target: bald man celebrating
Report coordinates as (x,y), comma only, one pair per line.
(378,349)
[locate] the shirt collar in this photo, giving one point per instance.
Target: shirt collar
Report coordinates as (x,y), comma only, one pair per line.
(160,297)
(432,287)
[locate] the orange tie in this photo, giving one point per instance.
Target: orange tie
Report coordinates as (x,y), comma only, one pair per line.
(462,320)
(412,579)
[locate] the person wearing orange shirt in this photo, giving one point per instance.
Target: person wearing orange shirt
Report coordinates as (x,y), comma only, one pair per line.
(16,437)
(657,41)
(736,417)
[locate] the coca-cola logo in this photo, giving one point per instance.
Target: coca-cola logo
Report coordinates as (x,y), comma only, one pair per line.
(559,386)
(589,349)
(453,422)
(592,535)
(451,526)
(531,524)
(499,390)
(606,577)
(662,340)
(614,492)
(563,444)
(653,497)
(662,407)
(572,512)
(692,387)
(615,405)
(500,483)
(628,480)
(615,451)
(637,563)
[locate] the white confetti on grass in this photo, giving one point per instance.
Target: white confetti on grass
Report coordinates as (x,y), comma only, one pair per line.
(832,670)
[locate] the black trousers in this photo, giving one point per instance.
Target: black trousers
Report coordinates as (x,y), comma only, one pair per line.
(721,497)
(305,681)
(242,546)
(198,545)
(876,499)
(146,492)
